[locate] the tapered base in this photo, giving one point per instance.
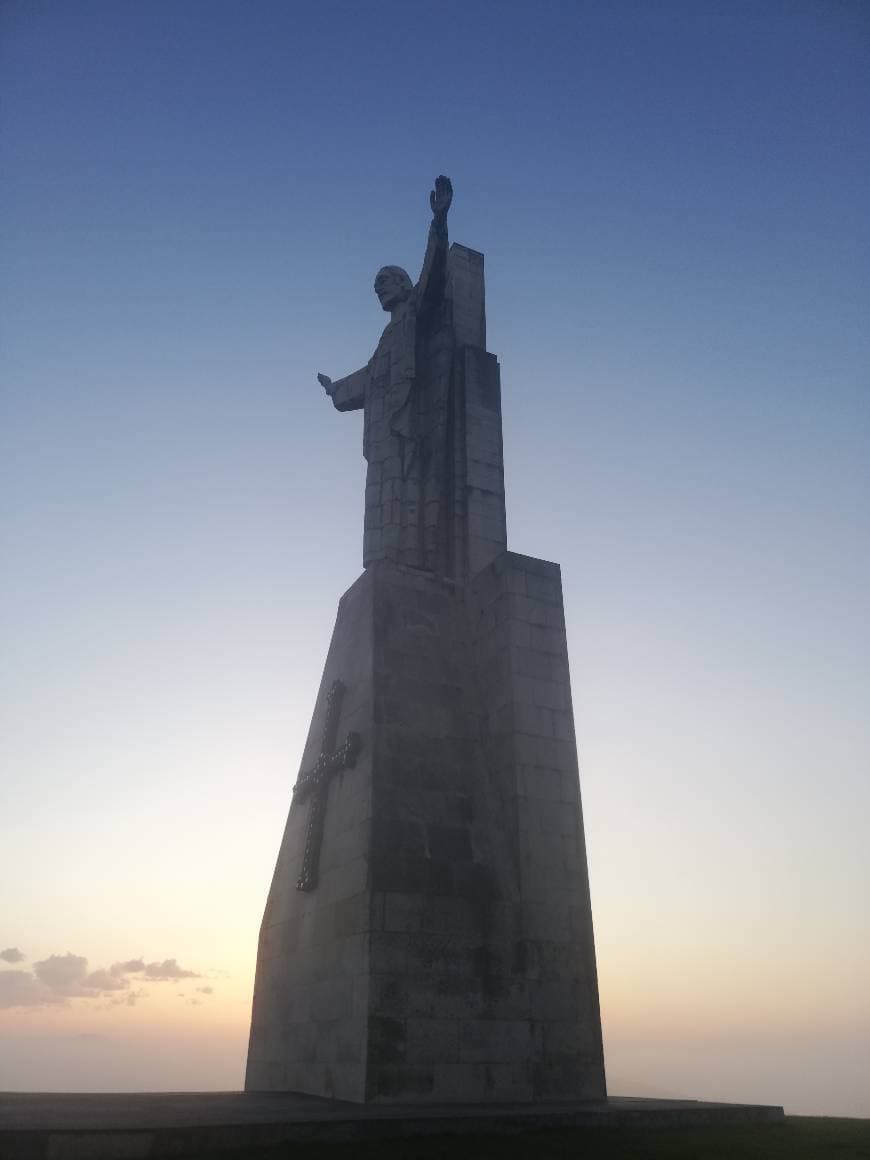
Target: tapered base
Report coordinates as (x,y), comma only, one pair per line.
(446,953)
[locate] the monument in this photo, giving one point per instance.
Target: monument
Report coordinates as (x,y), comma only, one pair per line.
(428,932)
(427,938)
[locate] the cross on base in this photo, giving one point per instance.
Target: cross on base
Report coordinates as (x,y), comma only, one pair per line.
(315,783)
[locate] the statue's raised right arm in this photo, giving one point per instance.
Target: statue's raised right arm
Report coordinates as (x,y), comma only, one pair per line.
(433,279)
(393,287)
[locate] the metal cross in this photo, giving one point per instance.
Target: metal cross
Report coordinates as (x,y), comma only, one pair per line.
(315,783)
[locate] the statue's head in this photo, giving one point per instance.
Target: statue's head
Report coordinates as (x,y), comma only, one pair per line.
(392,286)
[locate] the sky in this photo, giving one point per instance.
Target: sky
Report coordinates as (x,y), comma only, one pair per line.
(672,202)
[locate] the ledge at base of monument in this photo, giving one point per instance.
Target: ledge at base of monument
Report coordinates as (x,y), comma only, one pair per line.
(57,1126)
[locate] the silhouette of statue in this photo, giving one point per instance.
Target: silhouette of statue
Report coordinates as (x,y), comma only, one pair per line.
(404,390)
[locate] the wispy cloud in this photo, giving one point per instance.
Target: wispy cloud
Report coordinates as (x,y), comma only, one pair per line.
(105,981)
(127,998)
(130,967)
(60,978)
(168,969)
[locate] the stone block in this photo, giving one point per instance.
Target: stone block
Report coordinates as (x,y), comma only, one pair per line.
(486,476)
(508,1082)
(548,640)
(546,568)
(543,588)
(465,289)
(536,612)
(541,722)
(546,920)
(299,1042)
(538,664)
(332,999)
(401,1083)
(535,781)
(459,1083)
(499,1040)
(448,914)
(432,1040)
(403,912)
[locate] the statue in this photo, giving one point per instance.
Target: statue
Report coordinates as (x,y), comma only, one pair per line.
(404,390)
(442,726)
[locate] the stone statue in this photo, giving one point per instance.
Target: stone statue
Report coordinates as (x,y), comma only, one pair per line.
(404,390)
(440,767)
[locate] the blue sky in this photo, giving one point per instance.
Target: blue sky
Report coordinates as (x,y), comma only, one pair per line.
(672,201)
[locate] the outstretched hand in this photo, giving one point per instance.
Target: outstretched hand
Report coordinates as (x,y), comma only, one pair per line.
(440,199)
(326,382)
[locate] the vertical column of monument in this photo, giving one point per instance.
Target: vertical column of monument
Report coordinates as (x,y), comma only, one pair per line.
(517,621)
(478,497)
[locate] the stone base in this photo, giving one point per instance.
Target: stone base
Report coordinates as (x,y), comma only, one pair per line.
(446,953)
(51,1126)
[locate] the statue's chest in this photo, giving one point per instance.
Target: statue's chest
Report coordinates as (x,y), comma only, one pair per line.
(393,362)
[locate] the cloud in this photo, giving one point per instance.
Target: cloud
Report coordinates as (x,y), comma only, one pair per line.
(67,977)
(23,989)
(64,974)
(205,990)
(12,955)
(105,981)
(168,969)
(59,978)
(130,967)
(128,999)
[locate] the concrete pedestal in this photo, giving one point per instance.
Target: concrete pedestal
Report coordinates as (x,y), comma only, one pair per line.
(446,951)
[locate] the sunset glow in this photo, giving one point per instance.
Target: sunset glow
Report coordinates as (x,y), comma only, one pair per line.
(672,203)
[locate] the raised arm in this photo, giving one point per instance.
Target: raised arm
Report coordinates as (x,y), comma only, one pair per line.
(349,393)
(433,279)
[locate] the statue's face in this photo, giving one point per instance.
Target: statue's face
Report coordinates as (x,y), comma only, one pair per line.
(392,287)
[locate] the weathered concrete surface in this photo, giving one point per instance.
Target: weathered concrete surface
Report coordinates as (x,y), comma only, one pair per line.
(446,953)
(50,1126)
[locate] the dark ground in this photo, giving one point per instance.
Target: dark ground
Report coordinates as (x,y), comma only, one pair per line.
(799,1138)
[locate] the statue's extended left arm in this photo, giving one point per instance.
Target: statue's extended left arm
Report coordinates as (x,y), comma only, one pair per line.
(433,279)
(349,393)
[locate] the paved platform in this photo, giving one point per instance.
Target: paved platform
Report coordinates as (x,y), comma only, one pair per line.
(144,1125)
(59,1126)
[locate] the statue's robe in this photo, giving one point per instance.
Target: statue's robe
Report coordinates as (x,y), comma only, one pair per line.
(404,390)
